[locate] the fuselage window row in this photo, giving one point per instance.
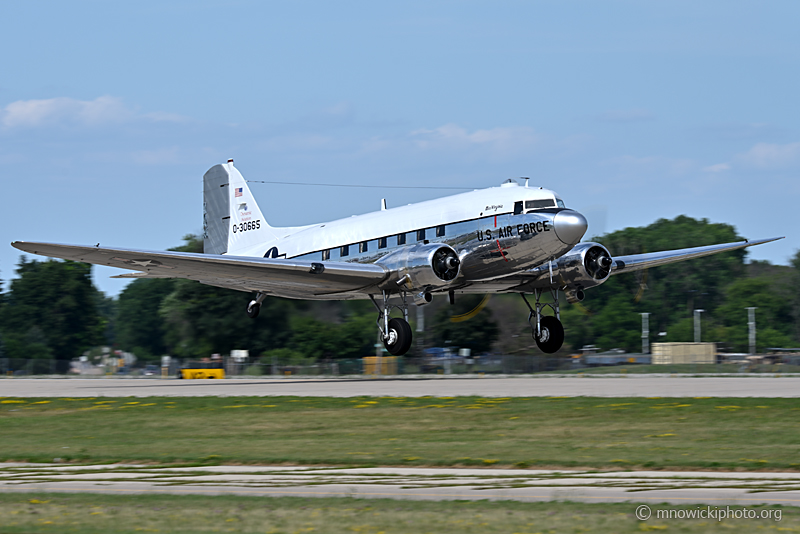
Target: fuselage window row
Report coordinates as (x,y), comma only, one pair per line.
(380,243)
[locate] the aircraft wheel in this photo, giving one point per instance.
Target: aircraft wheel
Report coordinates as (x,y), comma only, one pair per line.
(253,308)
(552,336)
(399,337)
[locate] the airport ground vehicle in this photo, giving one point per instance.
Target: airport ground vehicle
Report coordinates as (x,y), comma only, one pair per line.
(197,370)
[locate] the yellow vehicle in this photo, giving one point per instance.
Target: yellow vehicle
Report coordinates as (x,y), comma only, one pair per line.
(202,370)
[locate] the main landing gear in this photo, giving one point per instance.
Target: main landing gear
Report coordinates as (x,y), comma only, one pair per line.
(547,330)
(396,332)
(254,306)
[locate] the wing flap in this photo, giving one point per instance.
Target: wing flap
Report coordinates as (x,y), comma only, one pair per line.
(277,276)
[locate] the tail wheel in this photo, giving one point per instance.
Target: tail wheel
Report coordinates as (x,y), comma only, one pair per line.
(398,338)
(253,308)
(552,335)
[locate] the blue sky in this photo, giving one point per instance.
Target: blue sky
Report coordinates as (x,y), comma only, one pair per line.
(110,112)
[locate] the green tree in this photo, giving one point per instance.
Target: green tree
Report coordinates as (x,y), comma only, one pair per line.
(477,333)
(140,327)
(672,292)
(107,308)
(773,316)
(618,325)
(794,295)
(669,293)
(51,310)
(200,320)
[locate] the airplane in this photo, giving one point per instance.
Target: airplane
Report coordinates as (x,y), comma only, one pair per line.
(507,239)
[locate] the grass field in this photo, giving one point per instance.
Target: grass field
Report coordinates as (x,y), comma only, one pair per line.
(543,432)
(135,514)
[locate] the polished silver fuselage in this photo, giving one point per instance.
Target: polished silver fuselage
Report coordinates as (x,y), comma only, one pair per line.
(490,248)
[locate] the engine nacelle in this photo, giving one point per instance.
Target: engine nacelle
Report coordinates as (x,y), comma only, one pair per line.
(421,267)
(586,265)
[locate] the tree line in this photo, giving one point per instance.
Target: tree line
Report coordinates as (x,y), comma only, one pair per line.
(53,311)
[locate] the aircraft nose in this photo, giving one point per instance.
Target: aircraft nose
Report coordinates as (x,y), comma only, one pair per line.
(570,226)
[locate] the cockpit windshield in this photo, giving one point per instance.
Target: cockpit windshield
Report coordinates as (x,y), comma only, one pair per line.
(560,203)
(538,204)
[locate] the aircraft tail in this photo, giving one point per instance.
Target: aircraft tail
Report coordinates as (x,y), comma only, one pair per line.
(232,221)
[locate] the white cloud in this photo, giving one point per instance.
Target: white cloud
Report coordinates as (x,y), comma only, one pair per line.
(501,141)
(718,167)
(63,110)
(768,155)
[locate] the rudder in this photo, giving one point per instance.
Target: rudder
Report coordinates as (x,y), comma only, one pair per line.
(232,221)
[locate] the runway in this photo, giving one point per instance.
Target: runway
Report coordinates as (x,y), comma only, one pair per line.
(775,386)
(710,488)
(650,487)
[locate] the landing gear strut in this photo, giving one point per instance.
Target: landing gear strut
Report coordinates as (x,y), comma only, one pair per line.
(396,332)
(254,306)
(547,330)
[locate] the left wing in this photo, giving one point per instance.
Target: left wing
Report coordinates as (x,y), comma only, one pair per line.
(290,278)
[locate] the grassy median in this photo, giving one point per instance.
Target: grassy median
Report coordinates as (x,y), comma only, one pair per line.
(134,514)
(542,432)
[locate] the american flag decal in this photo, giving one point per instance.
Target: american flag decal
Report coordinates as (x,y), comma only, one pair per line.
(238,192)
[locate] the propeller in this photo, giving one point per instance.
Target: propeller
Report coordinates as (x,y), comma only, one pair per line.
(598,263)
(445,264)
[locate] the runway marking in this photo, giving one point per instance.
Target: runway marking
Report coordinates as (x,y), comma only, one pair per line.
(482,496)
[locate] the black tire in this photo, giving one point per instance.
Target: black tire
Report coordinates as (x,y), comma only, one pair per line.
(399,337)
(552,335)
(252,309)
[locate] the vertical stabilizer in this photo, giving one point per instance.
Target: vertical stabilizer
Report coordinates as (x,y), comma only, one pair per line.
(232,221)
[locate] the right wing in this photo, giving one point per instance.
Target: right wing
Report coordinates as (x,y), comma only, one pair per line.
(289,278)
(637,262)
(539,277)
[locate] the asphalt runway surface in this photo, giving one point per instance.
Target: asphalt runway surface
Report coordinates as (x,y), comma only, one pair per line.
(650,487)
(488,386)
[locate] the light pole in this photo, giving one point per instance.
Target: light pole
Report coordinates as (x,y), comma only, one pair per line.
(751,324)
(697,325)
(645,333)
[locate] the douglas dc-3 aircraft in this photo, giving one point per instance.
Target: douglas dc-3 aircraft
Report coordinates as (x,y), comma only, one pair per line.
(506,239)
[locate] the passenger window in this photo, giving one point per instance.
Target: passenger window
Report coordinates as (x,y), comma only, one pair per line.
(382,242)
(344,251)
(421,235)
(401,239)
(326,255)
(517,207)
(363,246)
(440,231)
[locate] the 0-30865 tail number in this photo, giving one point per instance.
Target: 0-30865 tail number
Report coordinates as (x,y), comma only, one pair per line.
(245,226)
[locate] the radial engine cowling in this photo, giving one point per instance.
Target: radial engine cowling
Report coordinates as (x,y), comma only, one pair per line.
(586,265)
(422,267)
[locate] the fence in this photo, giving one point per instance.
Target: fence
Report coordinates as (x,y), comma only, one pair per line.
(509,364)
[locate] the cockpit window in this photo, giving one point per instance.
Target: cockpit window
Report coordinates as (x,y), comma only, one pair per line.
(537,204)
(560,203)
